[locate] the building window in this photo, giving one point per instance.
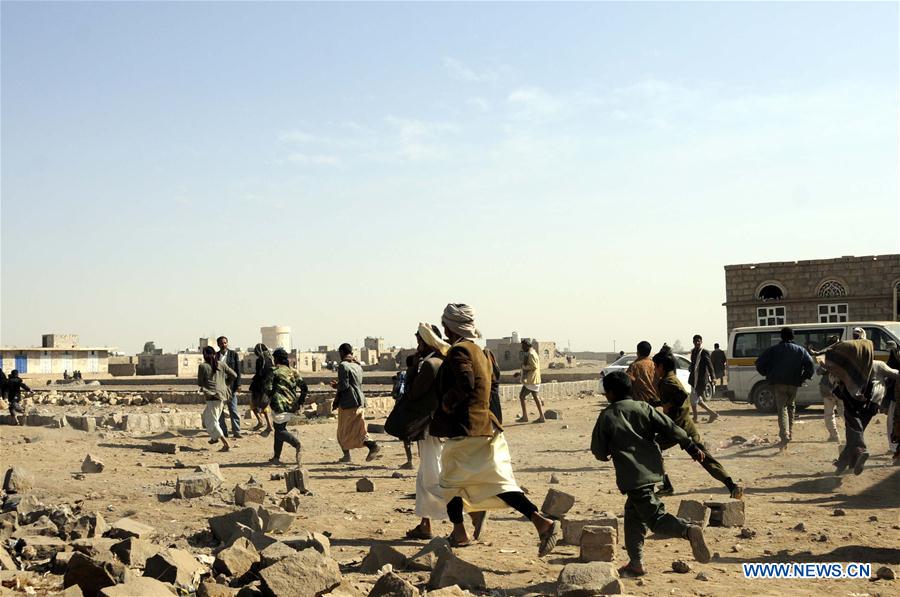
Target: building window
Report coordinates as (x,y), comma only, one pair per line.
(770,292)
(770,316)
(834,313)
(831,288)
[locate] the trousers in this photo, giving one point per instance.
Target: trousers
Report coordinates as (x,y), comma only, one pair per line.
(643,511)
(785,399)
(283,436)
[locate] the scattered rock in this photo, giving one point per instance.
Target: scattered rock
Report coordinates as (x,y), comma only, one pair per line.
(91,465)
(275,552)
(274,521)
(379,555)
(800,527)
(726,513)
(225,526)
(134,552)
(747,533)
(573,528)
(694,512)
(138,585)
(317,541)
(365,486)
(180,464)
(595,578)
(598,544)
(127,527)
(552,414)
(839,512)
(208,588)
(736,548)
(6,561)
(61,562)
(297,479)
(91,575)
(17,480)
(451,570)
(873,518)
(291,501)
(392,585)
(211,468)
(884,573)
(557,503)
(176,566)
(236,560)
(554,479)
(681,567)
(194,485)
(306,572)
(247,493)
(702,576)
(163,447)
(43,548)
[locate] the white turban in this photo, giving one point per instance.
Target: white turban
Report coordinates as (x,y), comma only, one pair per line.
(460,319)
(431,339)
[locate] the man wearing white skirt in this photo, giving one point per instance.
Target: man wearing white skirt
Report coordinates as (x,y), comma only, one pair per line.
(476,468)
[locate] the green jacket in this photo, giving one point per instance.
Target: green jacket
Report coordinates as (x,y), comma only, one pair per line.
(675,403)
(625,432)
(281,386)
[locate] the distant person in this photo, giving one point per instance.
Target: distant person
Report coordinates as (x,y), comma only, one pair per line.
(401,383)
(621,354)
(214,378)
(642,373)
(65,375)
(234,363)
(531,381)
(476,467)
(701,378)
(2,384)
(259,399)
(626,432)
(14,386)
(833,407)
(286,392)
(719,362)
(674,400)
(889,404)
(350,403)
(785,366)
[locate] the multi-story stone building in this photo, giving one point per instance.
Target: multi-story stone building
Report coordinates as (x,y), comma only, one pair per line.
(817,290)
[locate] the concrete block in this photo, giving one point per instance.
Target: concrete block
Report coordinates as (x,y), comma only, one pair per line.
(694,512)
(726,513)
(297,478)
(245,493)
(598,544)
(594,578)
(194,485)
(163,447)
(557,503)
(572,528)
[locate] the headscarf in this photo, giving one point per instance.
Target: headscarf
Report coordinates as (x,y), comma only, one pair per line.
(432,339)
(459,318)
(209,355)
(262,352)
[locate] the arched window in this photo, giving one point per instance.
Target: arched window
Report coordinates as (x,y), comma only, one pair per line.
(831,288)
(771,292)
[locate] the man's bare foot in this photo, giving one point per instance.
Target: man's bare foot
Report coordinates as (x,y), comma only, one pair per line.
(632,570)
(407,466)
(541,420)
(224,449)
(712,418)
(275,461)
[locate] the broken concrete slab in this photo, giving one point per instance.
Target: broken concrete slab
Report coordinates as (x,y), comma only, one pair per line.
(595,578)
(176,566)
(6,560)
(379,555)
(452,570)
(194,485)
(726,512)
(88,526)
(237,559)
(275,521)
(572,528)
(82,422)
(557,503)
(392,585)
(306,572)
(44,547)
(92,575)
(224,526)
(134,552)
(139,585)
(61,562)
(91,465)
(598,544)
(694,512)
(247,493)
(128,527)
(552,414)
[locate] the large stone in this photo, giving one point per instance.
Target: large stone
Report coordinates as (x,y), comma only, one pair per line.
(297,479)
(275,552)
(598,544)
(176,566)
(42,526)
(379,555)
(17,480)
(88,526)
(275,521)
(236,560)
(451,570)
(128,527)
(82,422)
(194,485)
(210,588)
(225,526)
(557,503)
(92,575)
(163,447)
(246,493)
(572,528)
(306,572)
(91,465)
(291,501)
(139,585)
(134,552)
(258,538)
(302,541)
(726,512)
(391,585)
(213,469)
(694,512)
(552,414)
(451,591)
(61,562)
(6,560)
(365,486)
(44,547)
(95,547)
(595,578)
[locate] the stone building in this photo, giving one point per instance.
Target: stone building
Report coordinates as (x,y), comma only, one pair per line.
(57,353)
(508,352)
(814,291)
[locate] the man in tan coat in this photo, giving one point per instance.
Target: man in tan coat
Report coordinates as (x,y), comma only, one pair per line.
(531,381)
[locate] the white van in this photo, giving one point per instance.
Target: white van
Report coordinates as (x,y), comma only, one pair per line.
(745,344)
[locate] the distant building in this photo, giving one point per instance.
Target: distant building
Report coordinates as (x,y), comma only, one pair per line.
(57,353)
(508,351)
(276,336)
(376,344)
(813,291)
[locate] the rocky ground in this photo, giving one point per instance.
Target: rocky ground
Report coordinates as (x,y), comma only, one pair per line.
(796,509)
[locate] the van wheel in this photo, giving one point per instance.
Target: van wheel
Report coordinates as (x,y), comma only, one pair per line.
(764,398)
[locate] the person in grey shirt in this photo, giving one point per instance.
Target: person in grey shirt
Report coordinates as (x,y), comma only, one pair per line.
(350,403)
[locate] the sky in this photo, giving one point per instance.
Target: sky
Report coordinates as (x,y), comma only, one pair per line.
(575,172)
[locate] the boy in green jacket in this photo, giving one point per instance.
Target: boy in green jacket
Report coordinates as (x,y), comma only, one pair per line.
(626,431)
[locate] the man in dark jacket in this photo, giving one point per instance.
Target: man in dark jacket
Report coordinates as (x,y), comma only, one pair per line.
(625,432)
(14,387)
(700,378)
(230,358)
(786,366)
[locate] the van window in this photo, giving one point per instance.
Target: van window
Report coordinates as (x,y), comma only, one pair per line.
(816,339)
(879,338)
(752,344)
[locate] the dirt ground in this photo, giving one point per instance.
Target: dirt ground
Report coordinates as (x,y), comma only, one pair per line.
(782,491)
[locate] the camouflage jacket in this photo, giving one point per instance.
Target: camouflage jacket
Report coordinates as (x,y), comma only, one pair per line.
(281,387)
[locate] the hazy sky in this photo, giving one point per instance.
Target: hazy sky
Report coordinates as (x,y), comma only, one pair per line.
(576,172)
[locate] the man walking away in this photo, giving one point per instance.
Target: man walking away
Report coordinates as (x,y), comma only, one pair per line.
(700,378)
(281,386)
(230,358)
(625,432)
(642,373)
(350,402)
(719,361)
(785,366)
(14,387)
(531,381)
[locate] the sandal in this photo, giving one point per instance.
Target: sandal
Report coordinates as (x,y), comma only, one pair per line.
(454,542)
(549,539)
(418,533)
(629,571)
